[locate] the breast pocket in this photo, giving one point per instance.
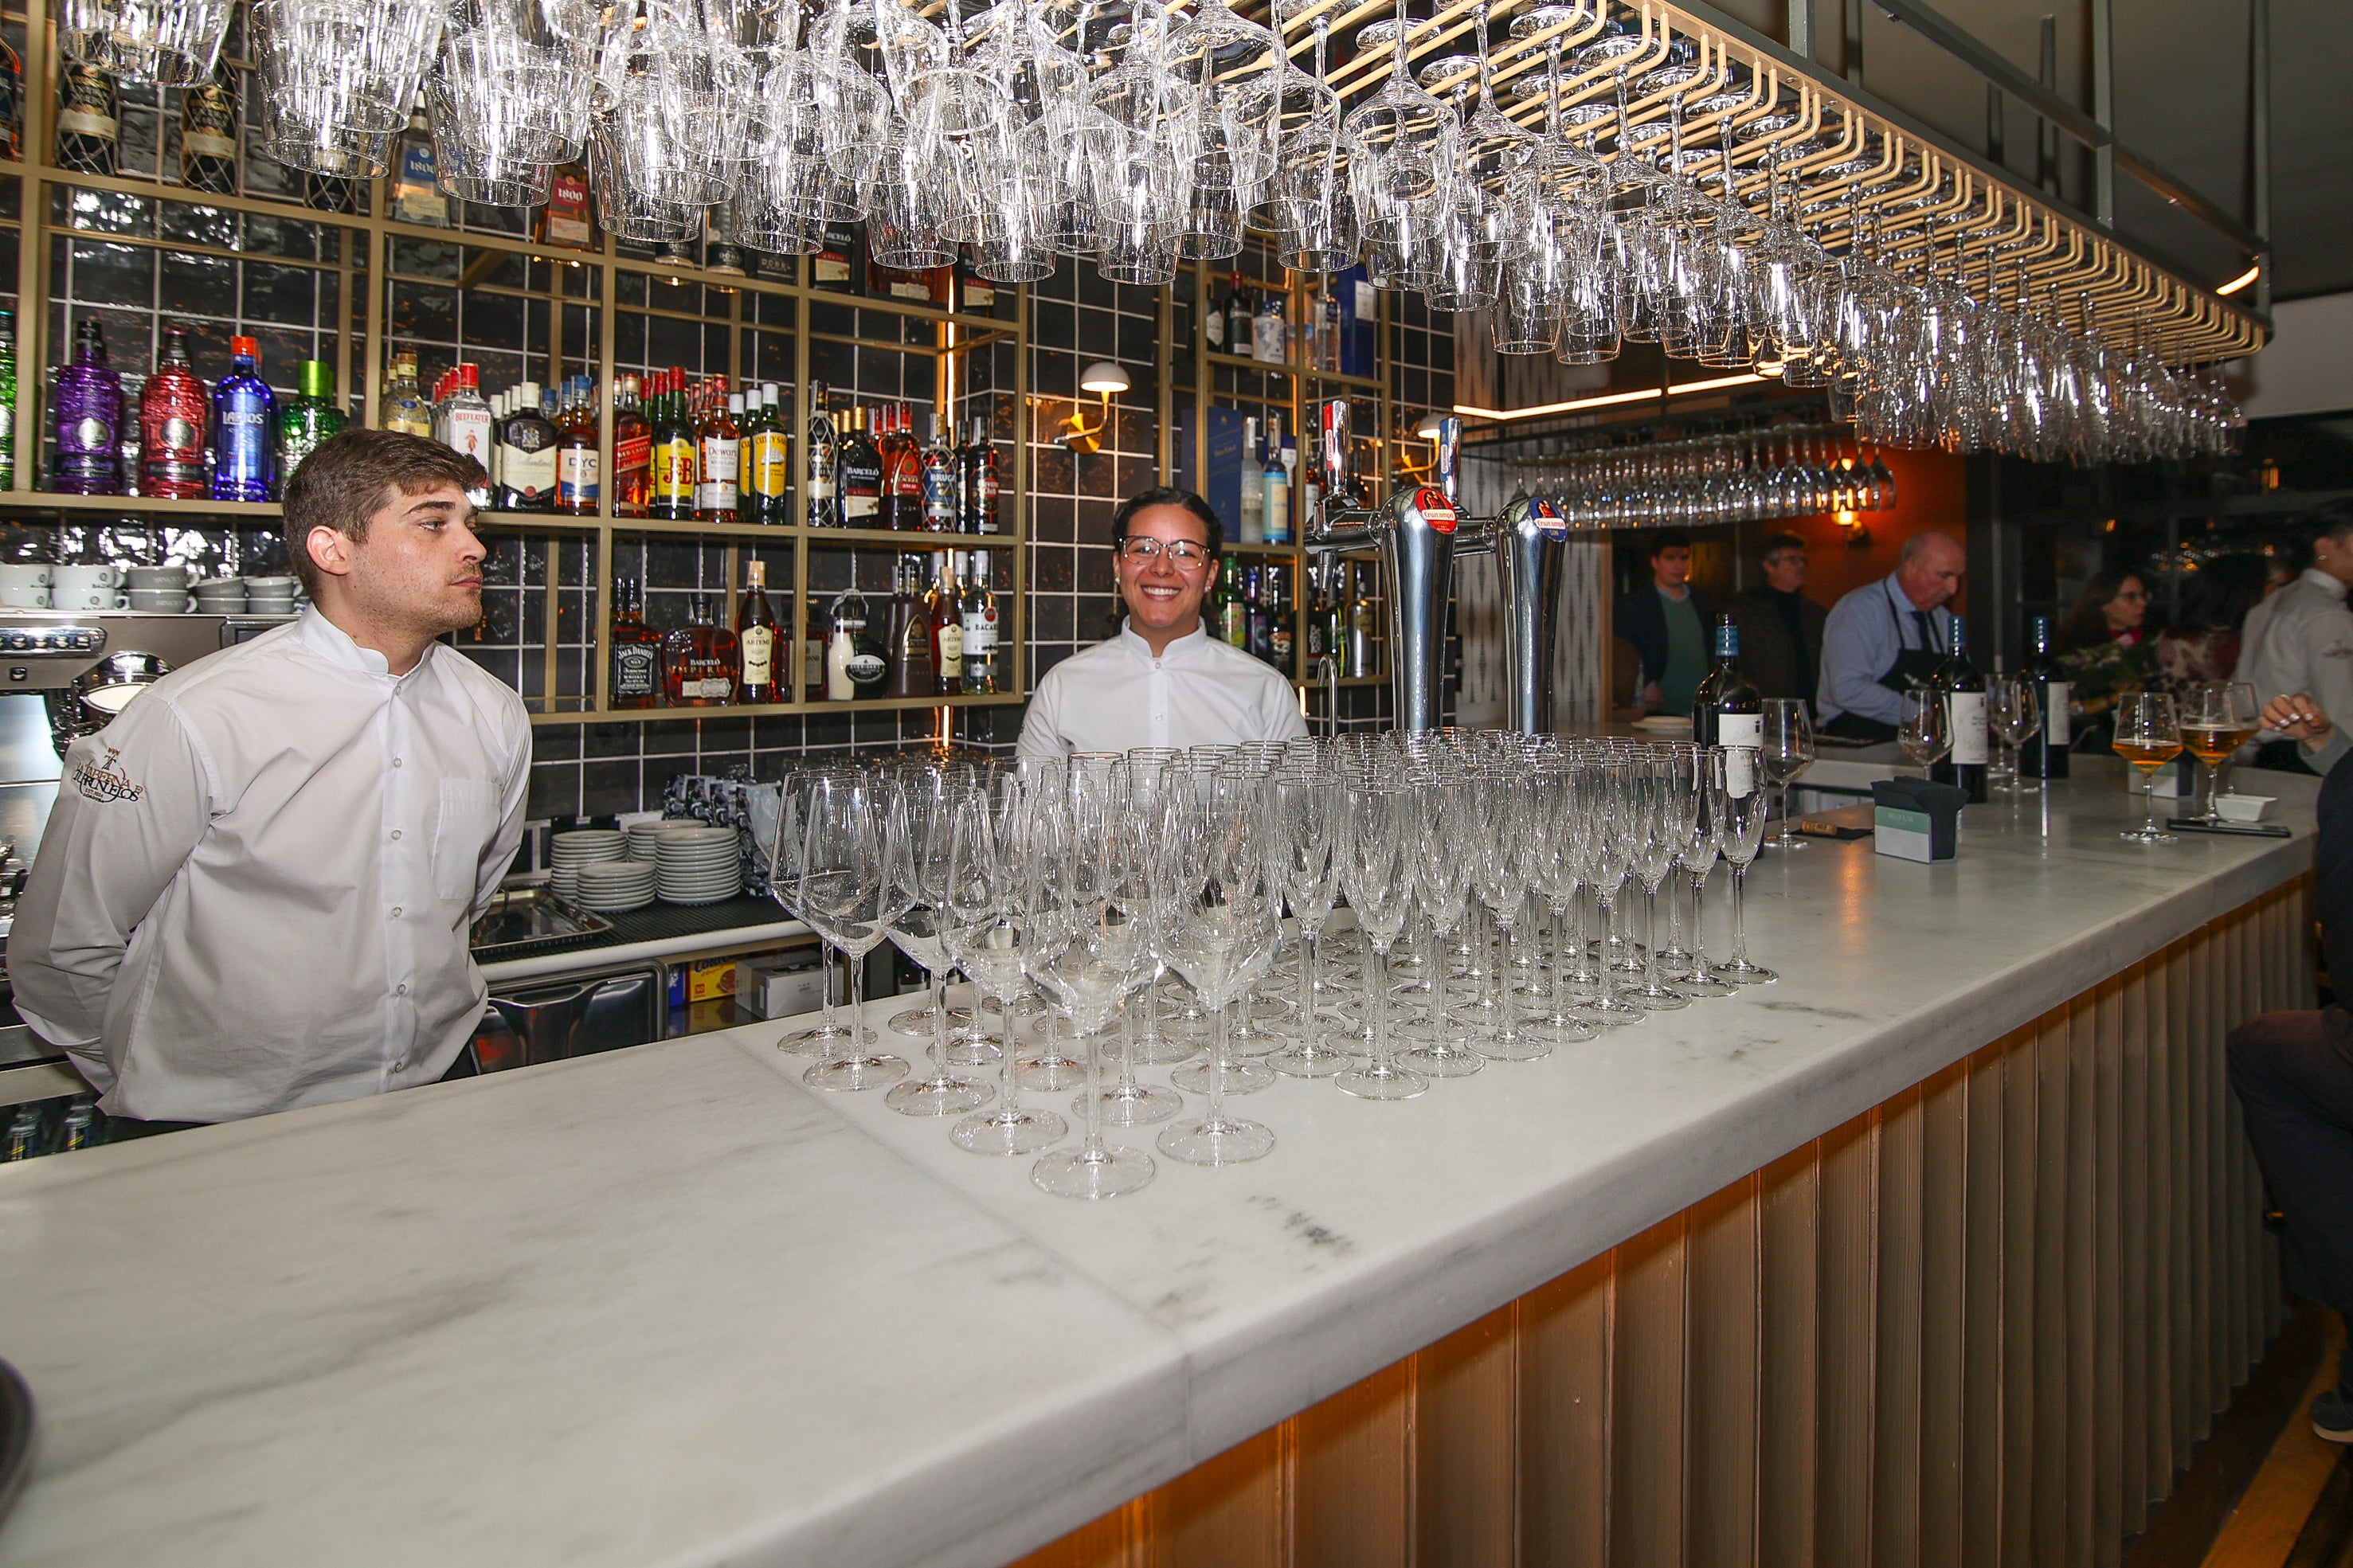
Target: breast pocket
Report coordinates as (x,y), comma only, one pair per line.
(469,816)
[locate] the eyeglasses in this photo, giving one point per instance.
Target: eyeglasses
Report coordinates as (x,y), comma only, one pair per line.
(1182,554)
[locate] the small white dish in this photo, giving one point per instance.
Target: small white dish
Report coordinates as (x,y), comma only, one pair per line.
(2244,807)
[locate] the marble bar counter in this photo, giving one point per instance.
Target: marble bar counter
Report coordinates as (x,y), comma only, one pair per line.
(668,1306)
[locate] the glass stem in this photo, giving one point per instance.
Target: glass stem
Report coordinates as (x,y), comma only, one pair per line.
(1381,1011)
(2150,823)
(1650,935)
(1609,975)
(1307,993)
(1152,1012)
(939,989)
(2213,780)
(1577,952)
(1093,1148)
(1216,1069)
(1698,939)
(857,1003)
(1127,1057)
(832,1016)
(1005,1076)
(1739,916)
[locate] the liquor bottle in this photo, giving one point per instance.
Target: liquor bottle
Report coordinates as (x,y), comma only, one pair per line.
(720,254)
(1250,506)
(1965,716)
(987,481)
(208,133)
(854,665)
(633,450)
(1363,653)
(674,450)
(939,480)
(1284,616)
(903,473)
(90,119)
(698,659)
(566,219)
(1257,634)
(1269,330)
(636,678)
(835,265)
(403,408)
(860,466)
(1238,316)
(174,414)
(946,615)
(244,416)
(8,400)
(760,651)
(331,193)
(977,611)
(907,632)
(719,461)
(466,423)
(416,195)
(25,1139)
(309,419)
(822,481)
(1274,487)
(1213,325)
(1727,711)
(767,462)
(526,454)
(2044,754)
(1233,615)
(579,462)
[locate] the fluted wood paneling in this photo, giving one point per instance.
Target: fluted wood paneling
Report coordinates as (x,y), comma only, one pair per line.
(1983,1323)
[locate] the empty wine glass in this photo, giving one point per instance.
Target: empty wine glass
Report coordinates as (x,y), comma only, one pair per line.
(1718,766)
(2012,715)
(849,894)
(788,851)
(1306,811)
(1223,939)
(1379,839)
(988,907)
(1744,833)
(1924,730)
(929,800)
(1787,752)
(2149,736)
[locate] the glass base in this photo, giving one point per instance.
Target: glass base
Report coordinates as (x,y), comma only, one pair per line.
(1517,1043)
(1140,1105)
(816,1042)
(968,1051)
(1010,1129)
(1793,842)
(1166,1051)
(1740,972)
(1239,1078)
(1098,1170)
(919,1020)
(1443,1060)
(1215,1140)
(1312,1059)
(1655,998)
(2145,835)
(941,1095)
(1564,1028)
(1611,1013)
(1376,1080)
(1048,1073)
(846,1075)
(1698,983)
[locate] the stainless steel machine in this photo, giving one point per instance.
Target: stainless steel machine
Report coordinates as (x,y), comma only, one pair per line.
(1420,533)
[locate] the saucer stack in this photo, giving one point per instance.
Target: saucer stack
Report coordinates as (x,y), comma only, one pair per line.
(698,865)
(609,887)
(567,852)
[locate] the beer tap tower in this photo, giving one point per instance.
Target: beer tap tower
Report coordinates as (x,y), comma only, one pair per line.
(1421,532)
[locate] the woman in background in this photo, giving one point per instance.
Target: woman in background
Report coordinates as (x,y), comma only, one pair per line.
(2101,646)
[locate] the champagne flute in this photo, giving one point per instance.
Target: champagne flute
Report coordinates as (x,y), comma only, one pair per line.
(1787,752)
(2218,717)
(2149,736)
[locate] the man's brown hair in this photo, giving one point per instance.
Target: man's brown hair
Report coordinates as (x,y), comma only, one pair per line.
(343,483)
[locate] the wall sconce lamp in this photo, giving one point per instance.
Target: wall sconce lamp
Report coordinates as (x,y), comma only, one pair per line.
(1103,378)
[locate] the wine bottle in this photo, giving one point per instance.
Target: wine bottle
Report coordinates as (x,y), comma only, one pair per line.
(1965,714)
(2044,754)
(1726,711)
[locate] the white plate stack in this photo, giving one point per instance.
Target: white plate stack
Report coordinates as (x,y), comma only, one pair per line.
(644,838)
(609,887)
(698,865)
(567,852)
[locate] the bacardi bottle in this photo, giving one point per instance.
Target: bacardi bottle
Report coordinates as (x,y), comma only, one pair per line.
(979,613)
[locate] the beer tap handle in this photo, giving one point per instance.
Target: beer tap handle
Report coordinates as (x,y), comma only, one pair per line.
(1335,435)
(1449,457)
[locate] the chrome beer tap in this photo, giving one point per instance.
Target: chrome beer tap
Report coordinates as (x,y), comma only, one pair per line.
(1531,537)
(1418,532)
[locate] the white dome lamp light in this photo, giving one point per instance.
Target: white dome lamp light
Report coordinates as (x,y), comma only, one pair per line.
(1103,378)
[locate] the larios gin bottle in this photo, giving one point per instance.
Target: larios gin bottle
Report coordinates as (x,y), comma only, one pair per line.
(245,420)
(89,405)
(174,414)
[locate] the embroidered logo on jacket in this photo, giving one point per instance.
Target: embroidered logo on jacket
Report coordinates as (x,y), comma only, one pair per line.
(104,781)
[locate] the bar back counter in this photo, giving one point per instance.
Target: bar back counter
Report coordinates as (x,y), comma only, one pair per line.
(1944,1250)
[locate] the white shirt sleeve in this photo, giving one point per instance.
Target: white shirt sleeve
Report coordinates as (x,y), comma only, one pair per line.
(133,803)
(514,792)
(1042,728)
(1284,721)
(2328,664)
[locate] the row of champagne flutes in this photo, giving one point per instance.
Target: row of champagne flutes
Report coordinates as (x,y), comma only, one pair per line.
(1141,897)
(1751,477)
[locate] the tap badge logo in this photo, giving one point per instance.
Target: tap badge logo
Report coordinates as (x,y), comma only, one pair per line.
(1435,509)
(1548,517)
(104,780)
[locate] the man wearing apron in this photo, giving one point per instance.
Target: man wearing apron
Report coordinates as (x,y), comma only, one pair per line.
(1886,638)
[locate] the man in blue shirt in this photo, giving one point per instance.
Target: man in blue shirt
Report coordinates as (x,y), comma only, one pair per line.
(1888,636)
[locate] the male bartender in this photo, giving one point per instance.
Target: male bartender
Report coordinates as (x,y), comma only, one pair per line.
(1162,681)
(254,890)
(1886,637)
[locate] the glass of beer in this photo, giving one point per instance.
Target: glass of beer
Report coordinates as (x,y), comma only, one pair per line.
(2218,717)
(2149,736)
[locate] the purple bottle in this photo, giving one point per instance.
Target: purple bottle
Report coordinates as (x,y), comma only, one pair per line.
(89,404)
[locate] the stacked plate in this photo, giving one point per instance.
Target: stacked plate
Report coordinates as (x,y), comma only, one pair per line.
(609,887)
(644,838)
(568,852)
(699,864)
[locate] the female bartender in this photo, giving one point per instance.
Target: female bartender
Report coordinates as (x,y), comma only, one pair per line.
(1163,680)
(255,888)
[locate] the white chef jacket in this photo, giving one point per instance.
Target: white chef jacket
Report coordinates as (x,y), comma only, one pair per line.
(254,890)
(1116,696)
(2301,639)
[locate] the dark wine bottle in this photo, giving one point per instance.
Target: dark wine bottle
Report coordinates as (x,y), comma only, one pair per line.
(2044,754)
(1726,709)
(1965,714)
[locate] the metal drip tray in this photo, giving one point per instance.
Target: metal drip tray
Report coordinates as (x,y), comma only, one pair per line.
(523,921)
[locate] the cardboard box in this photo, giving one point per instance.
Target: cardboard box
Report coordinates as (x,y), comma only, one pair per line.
(1913,819)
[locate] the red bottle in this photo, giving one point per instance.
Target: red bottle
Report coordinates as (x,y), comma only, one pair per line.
(174,414)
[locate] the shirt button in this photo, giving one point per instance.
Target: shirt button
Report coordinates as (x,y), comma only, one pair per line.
(396,833)
(400,989)
(396,911)
(401,1065)
(395,762)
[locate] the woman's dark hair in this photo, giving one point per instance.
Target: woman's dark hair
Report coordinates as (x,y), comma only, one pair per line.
(2222,591)
(2086,624)
(1168,495)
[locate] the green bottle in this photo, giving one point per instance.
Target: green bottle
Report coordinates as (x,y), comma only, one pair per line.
(307,418)
(8,400)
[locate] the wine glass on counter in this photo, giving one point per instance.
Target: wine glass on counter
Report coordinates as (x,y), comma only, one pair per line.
(1787,752)
(2013,714)
(2217,717)
(1924,731)
(988,935)
(2149,736)
(787,855)
(850,894)
(1221,942)
(1744,833)
(929,799)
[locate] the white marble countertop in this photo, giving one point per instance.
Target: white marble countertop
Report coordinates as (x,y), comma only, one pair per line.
(668,1306)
